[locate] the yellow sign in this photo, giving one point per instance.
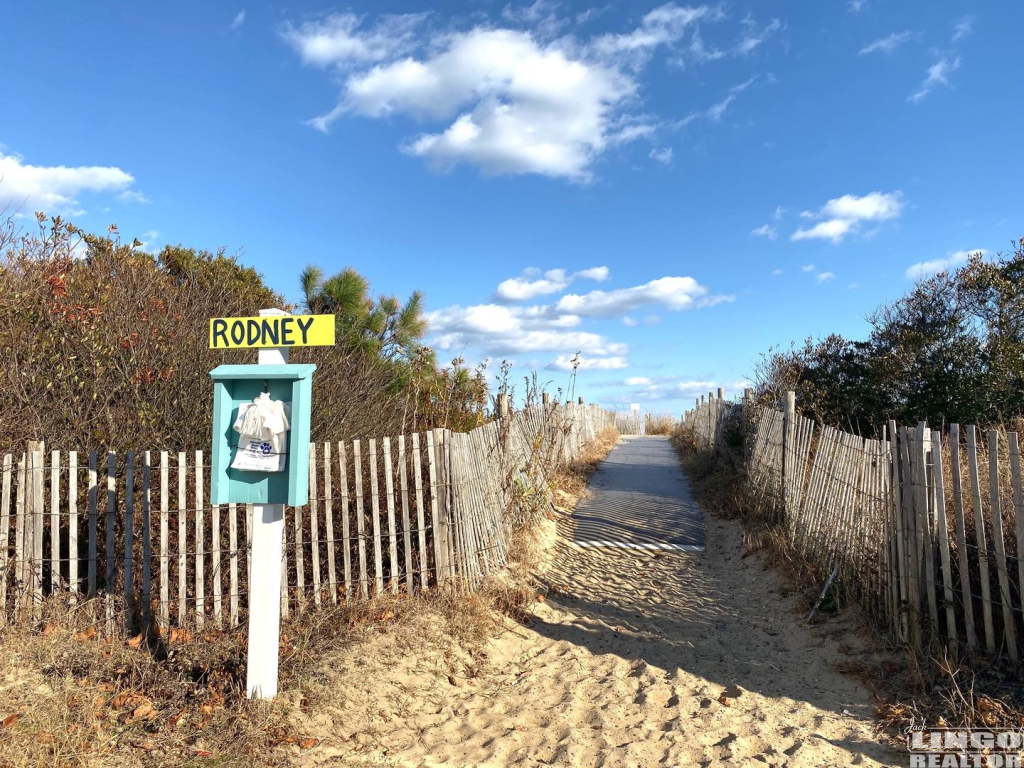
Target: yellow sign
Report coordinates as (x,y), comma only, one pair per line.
(272,331)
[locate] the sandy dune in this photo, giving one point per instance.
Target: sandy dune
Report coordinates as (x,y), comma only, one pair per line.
(635,658)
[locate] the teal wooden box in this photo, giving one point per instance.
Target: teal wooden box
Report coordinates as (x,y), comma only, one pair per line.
(237,384)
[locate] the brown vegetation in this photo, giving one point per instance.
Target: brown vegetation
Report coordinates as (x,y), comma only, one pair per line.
(104,346)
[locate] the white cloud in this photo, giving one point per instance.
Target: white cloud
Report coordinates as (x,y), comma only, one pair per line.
(856,6)
(56,189)
(522,289)
(701,53)
(502,331)
(565,363)
(663,155)
(824,277)
(843,215)
(937,74)
(554,281)
(504,100)
(779,213)
(542,16)
(665,24)
(766,230)
(529,108)
(600,274)
(630,322)
(834,230)
(239,19)
(889,43)
(753,37)
(672,388)
(339,40)
(636,381)
(716,111)
(807,268)
(934,266)
(776,272)
(133,196)
(962,28)
(676,293)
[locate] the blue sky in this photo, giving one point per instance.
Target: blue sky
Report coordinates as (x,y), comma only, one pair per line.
(667,189)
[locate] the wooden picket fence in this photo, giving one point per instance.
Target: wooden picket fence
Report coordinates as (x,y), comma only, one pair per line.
(135,539)
(907,525)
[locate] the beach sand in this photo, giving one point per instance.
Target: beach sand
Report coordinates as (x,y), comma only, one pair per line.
(633,658)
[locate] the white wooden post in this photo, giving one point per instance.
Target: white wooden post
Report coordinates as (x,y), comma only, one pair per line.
(788,421)
(265,578)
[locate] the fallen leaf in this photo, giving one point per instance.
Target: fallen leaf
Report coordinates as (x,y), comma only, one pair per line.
(308,743)
(10,720)
(129,700)
(203,753)
(49,629)
(136,641)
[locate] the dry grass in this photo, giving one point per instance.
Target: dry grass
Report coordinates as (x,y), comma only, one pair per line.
(661,424)
(69,698)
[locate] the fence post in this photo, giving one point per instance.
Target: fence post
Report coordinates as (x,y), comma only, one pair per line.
(788,418)
(721,393)
(545,398)
(265,579)
(748,395)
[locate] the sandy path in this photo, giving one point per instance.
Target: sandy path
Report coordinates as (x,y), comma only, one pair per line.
(635,658)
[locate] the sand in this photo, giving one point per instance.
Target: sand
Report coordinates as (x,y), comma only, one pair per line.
(633,659)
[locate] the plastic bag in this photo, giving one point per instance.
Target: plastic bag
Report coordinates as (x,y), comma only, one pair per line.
(262,428)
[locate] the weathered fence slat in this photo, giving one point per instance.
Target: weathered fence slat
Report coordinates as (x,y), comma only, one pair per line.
(165,586)
(73,584)
(182,539)
(1018,506)
(93,512)
(20,552)
(332,573)
(357,473)
(300,561)
(147,539)
(346,531)
(1009,630)
(378,556)
(421,522)
(403,482)
(129,536)
(942,533)
(961,538)
(233,566)
(108,584)
(5,527)
(215,570)
(435,513)
(314,525)
(199,544)
(979,531)
(389,487)
(54,521)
